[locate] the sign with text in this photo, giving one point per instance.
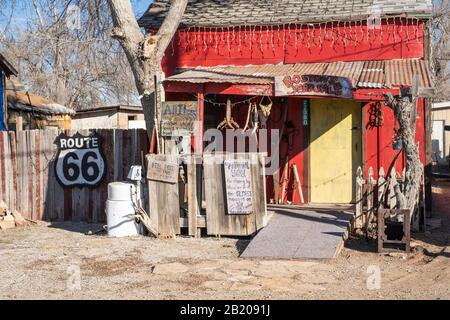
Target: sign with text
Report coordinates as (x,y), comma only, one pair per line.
(313,85)
(178,118)
(163,171)
(238,186)
(79,161)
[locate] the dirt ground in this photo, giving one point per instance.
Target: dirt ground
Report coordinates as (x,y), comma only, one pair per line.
(42,262)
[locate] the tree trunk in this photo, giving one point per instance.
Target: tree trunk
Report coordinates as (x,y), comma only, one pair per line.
(144,53)
(406,113)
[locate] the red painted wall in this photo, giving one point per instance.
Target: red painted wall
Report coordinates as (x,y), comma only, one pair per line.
(378,139)
(396,39)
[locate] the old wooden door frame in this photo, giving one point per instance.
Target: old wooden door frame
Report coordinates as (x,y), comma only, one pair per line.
(309,156)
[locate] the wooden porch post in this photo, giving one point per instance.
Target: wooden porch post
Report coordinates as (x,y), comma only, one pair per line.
(200,123)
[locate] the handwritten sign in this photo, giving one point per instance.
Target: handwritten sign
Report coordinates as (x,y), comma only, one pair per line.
(178,118)
(238,186)
(162,171)
(313,85)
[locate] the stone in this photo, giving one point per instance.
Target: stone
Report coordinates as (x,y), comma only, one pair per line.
(214,285)
(19,219)
(4,225)
(170,268)
(241,278)
(3,208)
(8,217)
(400,255)
(239,286)
(277,284)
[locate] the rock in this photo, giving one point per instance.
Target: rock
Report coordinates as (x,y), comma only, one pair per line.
(400,255)
(170,268)
(3,208)
(19,219)
(213,285)
(8,217)
(239,286)
(6,224)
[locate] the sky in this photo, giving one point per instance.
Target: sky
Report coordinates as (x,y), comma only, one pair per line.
(19,15)
(140,6)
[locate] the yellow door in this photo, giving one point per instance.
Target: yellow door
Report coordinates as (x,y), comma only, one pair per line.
(335,149)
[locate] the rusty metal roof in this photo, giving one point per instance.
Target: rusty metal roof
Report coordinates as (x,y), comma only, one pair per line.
(372,75)
(350,70)
(363,74)
(401,72)
(217,76)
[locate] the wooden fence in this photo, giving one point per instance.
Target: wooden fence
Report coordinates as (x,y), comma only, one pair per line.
(375,194)
(204,197)
(27,178)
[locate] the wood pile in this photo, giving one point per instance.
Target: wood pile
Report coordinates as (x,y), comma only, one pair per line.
(10,220)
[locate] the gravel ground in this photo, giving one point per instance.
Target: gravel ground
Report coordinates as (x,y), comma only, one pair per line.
(42,262)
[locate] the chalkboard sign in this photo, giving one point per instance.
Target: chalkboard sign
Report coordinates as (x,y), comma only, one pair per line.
(238,186)
(178,118)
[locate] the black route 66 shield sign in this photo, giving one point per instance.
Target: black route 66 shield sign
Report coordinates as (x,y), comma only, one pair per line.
(80,161)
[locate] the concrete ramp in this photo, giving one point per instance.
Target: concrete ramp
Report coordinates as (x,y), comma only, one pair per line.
(313,232)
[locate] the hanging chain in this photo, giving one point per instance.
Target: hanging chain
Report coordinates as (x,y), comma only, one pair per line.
(33,163)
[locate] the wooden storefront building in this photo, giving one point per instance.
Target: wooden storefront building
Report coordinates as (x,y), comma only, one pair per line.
(322,66)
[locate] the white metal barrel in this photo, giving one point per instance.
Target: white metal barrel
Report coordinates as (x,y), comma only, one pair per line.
(120,210)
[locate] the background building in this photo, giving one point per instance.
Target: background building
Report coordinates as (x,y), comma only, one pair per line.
(440,138)
(6,71)
(110,117)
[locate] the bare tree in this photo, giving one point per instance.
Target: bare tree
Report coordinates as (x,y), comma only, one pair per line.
(440,49)
(406,114)
(145,52)
(64,52)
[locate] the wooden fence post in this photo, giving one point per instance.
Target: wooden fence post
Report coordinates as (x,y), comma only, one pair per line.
(194,203)
(381,186)
(359,199)
(392,198)
(370,199)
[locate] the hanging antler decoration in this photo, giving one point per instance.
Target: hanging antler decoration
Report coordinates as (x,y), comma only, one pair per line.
(228,122)
(265,112)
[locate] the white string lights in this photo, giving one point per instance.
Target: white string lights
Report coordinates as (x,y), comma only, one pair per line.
(296,36)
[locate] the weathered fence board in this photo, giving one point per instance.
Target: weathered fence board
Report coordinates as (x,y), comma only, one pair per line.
(27,178)
(164,202)
(218,221)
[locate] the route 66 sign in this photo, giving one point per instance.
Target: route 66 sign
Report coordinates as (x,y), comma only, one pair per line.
(80,161)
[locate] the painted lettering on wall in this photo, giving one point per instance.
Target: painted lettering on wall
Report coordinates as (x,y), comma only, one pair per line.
(313,85)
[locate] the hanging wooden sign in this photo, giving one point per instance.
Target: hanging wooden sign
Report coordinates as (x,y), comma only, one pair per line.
(163,171)
(178,118)
(313,85)
(79,161)
(238,186)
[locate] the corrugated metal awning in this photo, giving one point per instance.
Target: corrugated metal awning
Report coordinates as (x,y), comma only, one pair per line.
(217,76)
(372,75)
(363,74)
(401,72)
